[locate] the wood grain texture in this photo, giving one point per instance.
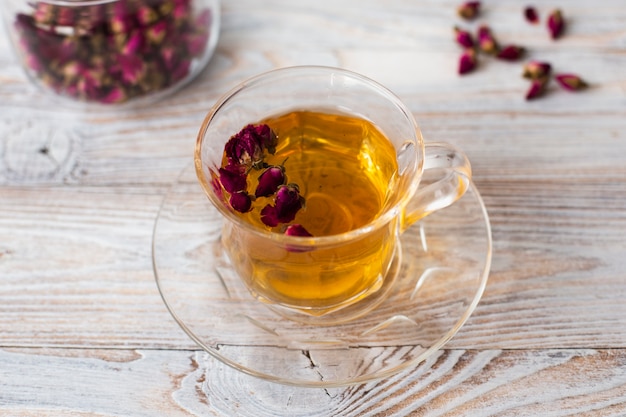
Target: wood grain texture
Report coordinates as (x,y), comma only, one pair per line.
(84,332)
(69,382)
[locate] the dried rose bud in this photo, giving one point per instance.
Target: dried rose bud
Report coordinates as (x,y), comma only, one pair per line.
(463,38)
(536,69)
(233,178)
(156,33)
(244,147)
(134,44)
(267,138)
(180,71)
(181,10)
(169,56)
(467,62)
(240,201)
(511,53)
(269,181)
(486,42)
(288,203)
(44,12)
(131,67)
(72,70)
(556,24)
(65,16)
(146,15)
(121,20)
(537,88)
(203,20)
(531,15)
(196,42)
(469,10)
(571,82)
(116,95)
(297,230)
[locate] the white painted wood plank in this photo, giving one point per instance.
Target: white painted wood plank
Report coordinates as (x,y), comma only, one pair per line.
(551,383)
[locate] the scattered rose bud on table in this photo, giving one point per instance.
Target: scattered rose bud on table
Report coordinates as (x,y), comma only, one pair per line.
(556,24)
(531,15)
(469,10)
(463,38)
(486,42)
(537,88)
(571,82)
(511,53)
(467,62)
(536,69)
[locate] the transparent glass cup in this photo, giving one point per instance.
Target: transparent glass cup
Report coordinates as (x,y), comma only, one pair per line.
(318,275)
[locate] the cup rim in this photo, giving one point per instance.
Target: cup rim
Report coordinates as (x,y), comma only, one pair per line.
(300,242)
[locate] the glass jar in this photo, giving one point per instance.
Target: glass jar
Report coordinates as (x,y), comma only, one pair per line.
(113,51)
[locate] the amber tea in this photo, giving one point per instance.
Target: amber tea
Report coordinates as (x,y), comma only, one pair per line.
(334,173)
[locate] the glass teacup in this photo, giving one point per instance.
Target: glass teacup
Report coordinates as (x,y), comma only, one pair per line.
(355,158)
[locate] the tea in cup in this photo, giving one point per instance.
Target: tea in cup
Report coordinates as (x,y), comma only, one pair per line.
(317,173)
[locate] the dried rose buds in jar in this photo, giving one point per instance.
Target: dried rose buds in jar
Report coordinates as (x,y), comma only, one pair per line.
(115,51)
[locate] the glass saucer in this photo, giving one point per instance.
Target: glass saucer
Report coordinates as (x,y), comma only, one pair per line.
(443,271)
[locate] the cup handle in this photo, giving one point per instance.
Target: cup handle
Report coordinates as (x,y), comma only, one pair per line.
(452,174)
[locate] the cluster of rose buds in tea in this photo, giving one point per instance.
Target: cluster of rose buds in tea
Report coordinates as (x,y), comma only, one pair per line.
(245,154)
(539,73)
(112,52)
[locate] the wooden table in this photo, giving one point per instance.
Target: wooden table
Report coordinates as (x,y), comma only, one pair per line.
(84,332)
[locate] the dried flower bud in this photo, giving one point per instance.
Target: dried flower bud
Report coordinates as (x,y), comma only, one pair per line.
(134,44)
(297,230)
(467,62)
(537,88)
(116,95)
(196,42)
(486,42)
(536,69)
(44,12)
(156,33)
(469,10)
(511,53)
(531,15)
(463,38)
(233,178)
(269,181)
(267,138)
(556,24)
(146,15)
(571,82)
(132,68)
(244,148)
(288,203)
(121,21)
(240,201)
(65,16)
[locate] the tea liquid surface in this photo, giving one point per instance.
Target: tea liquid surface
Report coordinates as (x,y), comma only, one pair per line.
(343,165)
